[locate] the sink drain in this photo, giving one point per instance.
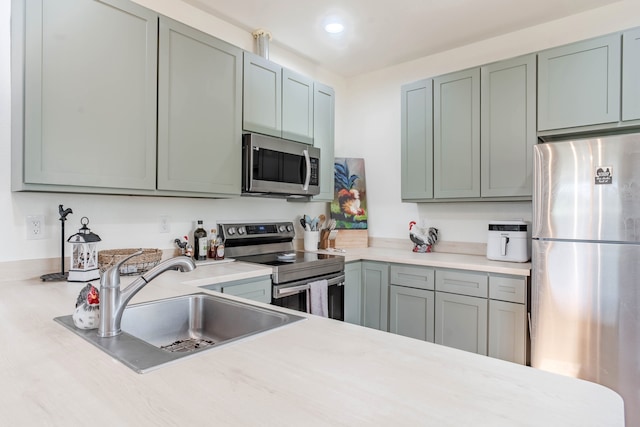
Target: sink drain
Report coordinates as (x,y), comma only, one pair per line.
(191,344)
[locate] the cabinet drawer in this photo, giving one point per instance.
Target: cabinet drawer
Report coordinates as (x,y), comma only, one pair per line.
(506,288)
(462,282)
(414,277)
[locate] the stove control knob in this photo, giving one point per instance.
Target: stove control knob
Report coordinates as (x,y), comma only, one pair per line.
(231,231)
(282,228)
(289,228)
(241,230)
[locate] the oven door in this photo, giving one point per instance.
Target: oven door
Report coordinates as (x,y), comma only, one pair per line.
(294,295)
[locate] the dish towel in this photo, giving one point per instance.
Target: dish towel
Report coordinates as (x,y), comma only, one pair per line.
(317,301)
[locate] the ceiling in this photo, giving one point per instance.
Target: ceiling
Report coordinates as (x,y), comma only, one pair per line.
(381,33)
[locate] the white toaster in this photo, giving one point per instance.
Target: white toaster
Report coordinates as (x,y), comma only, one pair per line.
(508,241)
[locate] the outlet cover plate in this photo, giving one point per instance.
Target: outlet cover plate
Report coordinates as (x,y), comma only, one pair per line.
(35,227)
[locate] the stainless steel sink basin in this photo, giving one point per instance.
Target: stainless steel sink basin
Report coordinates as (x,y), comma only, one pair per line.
(159,332)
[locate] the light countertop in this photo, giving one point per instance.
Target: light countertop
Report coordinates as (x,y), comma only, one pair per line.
(315,372)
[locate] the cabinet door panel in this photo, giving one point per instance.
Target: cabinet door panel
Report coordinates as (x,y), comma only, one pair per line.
(456,141)
(297,107)
(324,137)
(375,295)
(353,293)
(579,84)
(262,89)
(630,73)
(508,127)
(508,288)
(413,276)
(254,290)
(507,331)
(417,140)
(463,282)
(411,312)
(461,322)
(90,94)
(200,110)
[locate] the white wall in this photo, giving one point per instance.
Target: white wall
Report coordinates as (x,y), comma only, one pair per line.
(367,125)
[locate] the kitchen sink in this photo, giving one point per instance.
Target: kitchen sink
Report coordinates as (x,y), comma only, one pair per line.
(159,332)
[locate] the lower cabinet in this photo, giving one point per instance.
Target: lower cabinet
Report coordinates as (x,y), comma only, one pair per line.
(375,295)
(256,289)
(411,312)
(461,322)
(507,331)
(353,293)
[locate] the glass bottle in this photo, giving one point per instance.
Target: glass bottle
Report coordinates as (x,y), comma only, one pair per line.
(200,243)
(212,244)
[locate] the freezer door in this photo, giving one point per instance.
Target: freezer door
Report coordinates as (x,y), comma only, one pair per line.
(588,189)
(585,318)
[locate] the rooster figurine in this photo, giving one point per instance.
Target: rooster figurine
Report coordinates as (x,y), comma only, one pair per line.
(87,312)
(423,239)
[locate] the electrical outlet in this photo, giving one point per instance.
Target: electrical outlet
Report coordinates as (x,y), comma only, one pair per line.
(35,227)
(165,226)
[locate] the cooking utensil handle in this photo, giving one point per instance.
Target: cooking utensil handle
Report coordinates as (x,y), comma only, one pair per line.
(307,161)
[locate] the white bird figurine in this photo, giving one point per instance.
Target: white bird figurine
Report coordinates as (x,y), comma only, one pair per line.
(423,238)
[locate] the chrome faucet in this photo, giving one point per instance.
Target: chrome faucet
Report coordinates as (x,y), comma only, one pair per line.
(113,300)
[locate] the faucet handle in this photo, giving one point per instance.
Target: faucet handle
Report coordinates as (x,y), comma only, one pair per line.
(111,277)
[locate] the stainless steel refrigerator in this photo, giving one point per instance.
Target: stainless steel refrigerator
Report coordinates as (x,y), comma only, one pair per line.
(585,308)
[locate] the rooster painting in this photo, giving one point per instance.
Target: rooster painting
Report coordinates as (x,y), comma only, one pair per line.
(348,207)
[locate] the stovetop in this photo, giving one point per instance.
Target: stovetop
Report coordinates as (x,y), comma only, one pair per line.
(297,265)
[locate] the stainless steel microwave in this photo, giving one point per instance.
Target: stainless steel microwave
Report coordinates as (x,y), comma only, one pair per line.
(279,167)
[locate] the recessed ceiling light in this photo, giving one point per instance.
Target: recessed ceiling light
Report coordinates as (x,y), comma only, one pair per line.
(334,28)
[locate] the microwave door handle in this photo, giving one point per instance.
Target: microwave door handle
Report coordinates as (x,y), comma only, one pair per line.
(307,161)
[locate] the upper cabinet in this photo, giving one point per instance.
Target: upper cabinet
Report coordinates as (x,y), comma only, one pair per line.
(508,127)
(199,111)
(324,137)
(277,101)
(579,84)
(89,112)
(630,73)
(262,103)
(297,107)
(417,140)
(456,134)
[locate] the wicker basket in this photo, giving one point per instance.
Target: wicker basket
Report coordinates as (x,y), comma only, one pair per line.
(136,265)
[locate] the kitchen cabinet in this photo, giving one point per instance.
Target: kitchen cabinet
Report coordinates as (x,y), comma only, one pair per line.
(412,302)
(579,84)
(256,289)
(461,322)
(456,134)
(88,122)
(277,101)
(353,293)
(508,333)
(508,127)
(324,137)
(417,140)
(262,91)
(630,73)
(297,107)
(375,295)
(199,111)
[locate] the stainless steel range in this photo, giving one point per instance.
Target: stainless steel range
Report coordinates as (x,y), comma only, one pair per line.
(271,243)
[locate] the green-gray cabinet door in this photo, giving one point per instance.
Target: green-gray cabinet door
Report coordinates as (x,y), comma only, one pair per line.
(630,73)
(507,331)
(416,140)
(258,289)
(461,322)
(508,127)
(456,134)
(297,107)
(411,312)
(353,293)
(324,137)
(579,84)
(375,295)
(262,91)
(90,94)
(199,111)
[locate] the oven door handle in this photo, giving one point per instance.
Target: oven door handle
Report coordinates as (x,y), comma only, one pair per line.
(304,286)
